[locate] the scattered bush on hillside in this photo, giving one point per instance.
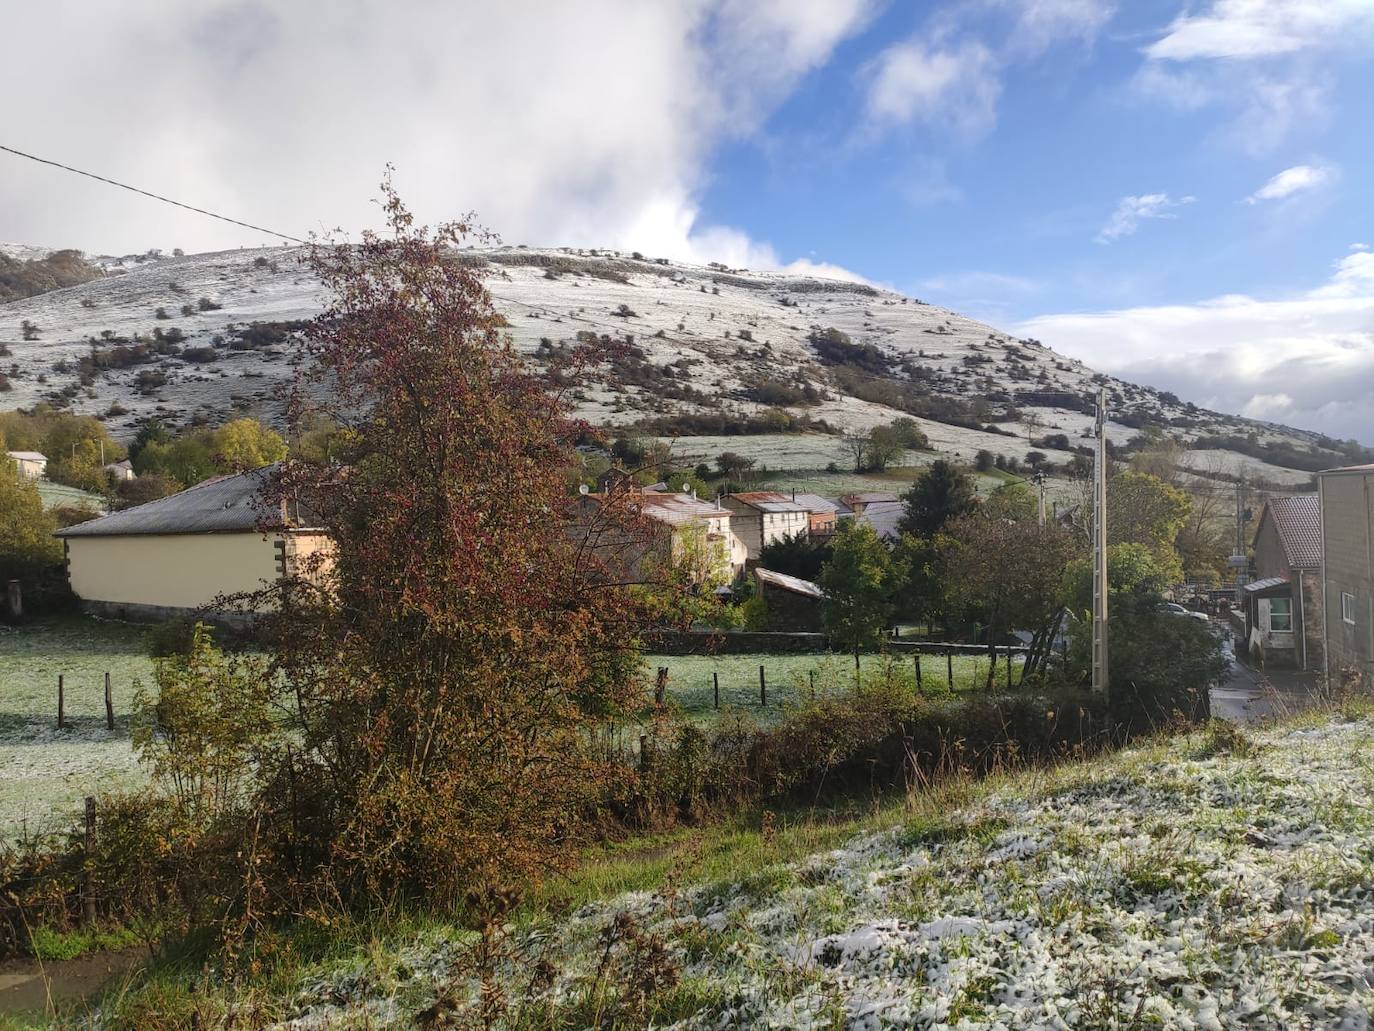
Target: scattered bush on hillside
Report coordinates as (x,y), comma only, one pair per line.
(19,279)
(834,347)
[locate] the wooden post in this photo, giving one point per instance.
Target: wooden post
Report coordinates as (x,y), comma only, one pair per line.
(1008,669)
(811,674)
(949,668)
(643,751)
(715,681)
(661,685)
(61,703)
(763,688)
(917,656)
(109,705)
(88,901)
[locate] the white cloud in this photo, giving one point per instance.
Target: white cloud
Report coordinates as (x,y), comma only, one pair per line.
(1290,181)
(1248,29)
(1306,359)
(590,124)
(915,82)
(1131,211)
(1043,23)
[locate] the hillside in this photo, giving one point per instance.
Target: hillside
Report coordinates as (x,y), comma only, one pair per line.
(196,337)
(1205,882)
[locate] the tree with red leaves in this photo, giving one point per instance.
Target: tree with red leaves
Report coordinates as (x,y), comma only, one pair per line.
(450,662)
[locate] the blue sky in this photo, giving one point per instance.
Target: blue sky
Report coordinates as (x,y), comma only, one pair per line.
(1176,191)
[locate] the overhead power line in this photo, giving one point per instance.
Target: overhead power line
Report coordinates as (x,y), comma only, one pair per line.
(154,196)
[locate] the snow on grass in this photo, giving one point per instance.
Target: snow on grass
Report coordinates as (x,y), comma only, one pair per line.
(44,772)
(1209,882)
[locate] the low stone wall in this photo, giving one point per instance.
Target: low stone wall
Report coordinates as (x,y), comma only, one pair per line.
(753,642)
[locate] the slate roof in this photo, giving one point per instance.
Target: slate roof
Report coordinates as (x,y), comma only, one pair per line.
(816,503)
(794,584)
(225,504)
(883,516)
(768,501)
(1298,520)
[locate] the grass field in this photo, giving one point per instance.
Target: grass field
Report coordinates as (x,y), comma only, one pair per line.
(44,772)
(789,678)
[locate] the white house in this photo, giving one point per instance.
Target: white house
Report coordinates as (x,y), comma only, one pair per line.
(760,517)
(31,464)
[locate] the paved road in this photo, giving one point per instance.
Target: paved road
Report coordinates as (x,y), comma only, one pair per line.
(1247,694)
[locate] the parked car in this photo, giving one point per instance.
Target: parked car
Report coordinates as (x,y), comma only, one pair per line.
(1174,608)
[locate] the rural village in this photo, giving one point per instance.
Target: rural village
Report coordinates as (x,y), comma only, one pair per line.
(885,539)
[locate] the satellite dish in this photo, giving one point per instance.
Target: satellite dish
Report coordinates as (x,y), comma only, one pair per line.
(686,488)
(583,489)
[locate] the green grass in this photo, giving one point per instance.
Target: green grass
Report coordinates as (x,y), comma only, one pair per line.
(45,772)
(789,678)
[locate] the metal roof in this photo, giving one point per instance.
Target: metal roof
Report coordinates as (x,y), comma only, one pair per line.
(1347,469)
(677,508)
(1298,520)
(768,501)
(225,504)
(816,503)
(782,581)
(1266,584)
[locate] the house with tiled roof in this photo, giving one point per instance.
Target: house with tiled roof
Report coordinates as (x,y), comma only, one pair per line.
(1283,609)
(760,517)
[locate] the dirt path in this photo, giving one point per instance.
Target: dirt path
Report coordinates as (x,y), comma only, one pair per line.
(26,986)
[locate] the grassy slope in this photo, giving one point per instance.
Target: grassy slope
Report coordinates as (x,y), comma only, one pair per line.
(1209,881)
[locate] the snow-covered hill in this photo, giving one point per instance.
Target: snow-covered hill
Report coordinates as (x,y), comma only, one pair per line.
(708,340)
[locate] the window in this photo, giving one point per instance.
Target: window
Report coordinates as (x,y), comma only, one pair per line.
(1281,615)
(1348,608)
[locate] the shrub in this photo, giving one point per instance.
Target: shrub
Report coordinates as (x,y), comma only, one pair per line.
(29,330)
(161,313)
(205,304)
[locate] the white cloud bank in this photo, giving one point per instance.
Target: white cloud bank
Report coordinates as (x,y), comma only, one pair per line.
(1306,360)
(1131,211)
(1290,181)
(589,124)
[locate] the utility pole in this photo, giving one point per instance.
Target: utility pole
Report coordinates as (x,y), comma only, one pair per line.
(1239,562)
(1039,480)
(1100,549)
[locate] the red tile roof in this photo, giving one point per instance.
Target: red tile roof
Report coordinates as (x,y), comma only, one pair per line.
(1298,521)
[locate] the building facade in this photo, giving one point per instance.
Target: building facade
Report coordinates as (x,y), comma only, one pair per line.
(1348,570)
(760,517)
(31,464)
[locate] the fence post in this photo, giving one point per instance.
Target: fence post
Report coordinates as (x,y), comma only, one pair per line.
(1008,669)
(15,600)
(763,688)
(917,657)
(643,751)
(811,673)
(61,703)
(661,685)
(715,682)
(109,705)
(88,901)
(949,668)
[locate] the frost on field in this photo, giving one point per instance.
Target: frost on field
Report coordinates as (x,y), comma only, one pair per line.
(1174,886)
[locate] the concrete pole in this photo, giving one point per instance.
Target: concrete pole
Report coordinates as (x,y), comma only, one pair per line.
(1100,587)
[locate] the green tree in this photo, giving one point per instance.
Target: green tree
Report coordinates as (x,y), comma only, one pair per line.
(918,585)
(941,493)
(797,554)
(28,551)
(1143,509)
(857,586)
(247,444)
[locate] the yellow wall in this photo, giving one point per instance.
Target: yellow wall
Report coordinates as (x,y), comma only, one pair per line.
(174,570)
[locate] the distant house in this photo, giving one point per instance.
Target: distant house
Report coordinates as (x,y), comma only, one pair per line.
(121,470)
(856,503)
(884,517)
(31,464)
(760,517)
(1348,568)
(791,602)
(173,557)
(822,514)
(695,531)
(1283,605)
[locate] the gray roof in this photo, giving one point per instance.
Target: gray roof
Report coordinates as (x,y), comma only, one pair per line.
(1265,584)
(783,581)
(814,503)
(767,501)
(225,504)
(883,516)
(27,456)
(1298,521)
